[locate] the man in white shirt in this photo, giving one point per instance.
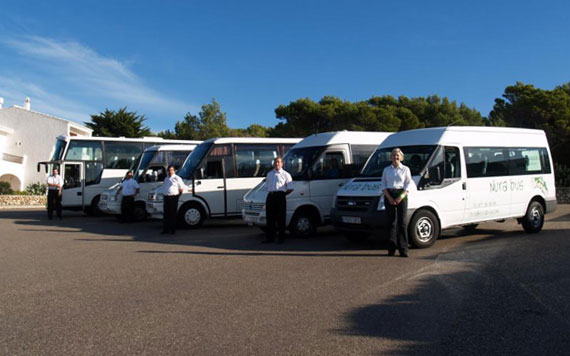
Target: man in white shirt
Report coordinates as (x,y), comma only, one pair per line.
(130,188)
(54,186)
(172,189)
(279,184)
(396,180)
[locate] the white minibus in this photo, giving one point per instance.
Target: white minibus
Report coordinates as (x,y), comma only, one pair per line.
(462,175)
(150,173)
(319,165)
(90,165)
(218,173)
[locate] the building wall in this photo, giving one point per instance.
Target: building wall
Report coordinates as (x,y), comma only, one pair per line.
(33,138)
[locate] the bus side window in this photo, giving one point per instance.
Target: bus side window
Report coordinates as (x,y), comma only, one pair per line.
(436,168)
(452,163)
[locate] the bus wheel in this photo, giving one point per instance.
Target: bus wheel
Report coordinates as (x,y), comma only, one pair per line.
(93,209)
(303,224)
(423,229)
(534,218)
(140,212)
(191,216)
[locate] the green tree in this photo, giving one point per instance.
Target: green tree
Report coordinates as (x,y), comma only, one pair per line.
(305,116)
(112,123)
(523,105)
(210,122)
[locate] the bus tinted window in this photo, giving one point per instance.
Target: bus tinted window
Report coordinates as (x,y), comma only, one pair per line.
(121,155)
(59,148)
(415,157)
(486,162)
(254,160)
(176,158)
(360,154)
(84,151)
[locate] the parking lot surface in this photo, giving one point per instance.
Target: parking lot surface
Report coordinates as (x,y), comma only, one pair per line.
(92,286)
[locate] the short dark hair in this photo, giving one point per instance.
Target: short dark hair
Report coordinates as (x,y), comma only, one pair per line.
(170,166)
(278,157)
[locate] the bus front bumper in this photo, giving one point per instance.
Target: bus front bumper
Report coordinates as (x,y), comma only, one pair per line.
(359,221)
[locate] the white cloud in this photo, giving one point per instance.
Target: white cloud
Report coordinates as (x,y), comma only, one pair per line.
(90,74)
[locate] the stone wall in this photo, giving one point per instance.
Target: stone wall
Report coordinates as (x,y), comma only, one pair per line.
(563,195)
(22,200)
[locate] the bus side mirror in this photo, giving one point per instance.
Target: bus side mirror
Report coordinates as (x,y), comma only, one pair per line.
(38,168)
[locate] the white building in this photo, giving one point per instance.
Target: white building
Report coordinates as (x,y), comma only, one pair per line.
(28,137)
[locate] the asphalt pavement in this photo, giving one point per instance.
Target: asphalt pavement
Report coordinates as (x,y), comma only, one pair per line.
(93,286)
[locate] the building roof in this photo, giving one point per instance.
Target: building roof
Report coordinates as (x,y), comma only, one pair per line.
(71,123)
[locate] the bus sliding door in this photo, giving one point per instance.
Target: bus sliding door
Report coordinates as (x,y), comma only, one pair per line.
(73,185)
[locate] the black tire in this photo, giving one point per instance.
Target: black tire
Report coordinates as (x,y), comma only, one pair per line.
(470,227)
(423,229)
(303,224)
(93,209)
(191,216)
(140,214)
(356,237)
(533,220)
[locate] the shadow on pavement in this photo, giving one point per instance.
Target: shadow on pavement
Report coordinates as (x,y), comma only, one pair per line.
(506,299)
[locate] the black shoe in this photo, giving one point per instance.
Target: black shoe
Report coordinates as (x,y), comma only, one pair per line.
(164,232)
(391,252)
(172,232)
(60,218)
(50,218)
(266,241)
(403,254)
(280,241)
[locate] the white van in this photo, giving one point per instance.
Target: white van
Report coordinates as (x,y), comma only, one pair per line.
(150,173)
(218,173)
(319,165)
(462,175)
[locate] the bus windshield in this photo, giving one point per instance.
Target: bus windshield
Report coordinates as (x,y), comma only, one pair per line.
(194,159)
(298,160)
(59,148)
(153,164)
(415,157)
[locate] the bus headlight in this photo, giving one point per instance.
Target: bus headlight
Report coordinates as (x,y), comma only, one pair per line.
(160,197)
(112,197)
(381,205)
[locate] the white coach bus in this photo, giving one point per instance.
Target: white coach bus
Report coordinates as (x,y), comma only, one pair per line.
(462,175)
(89,165)
(319,165)
(149,173)
(218,173)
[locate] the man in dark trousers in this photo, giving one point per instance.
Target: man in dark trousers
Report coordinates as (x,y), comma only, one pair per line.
(130,188)
(54,185)
(279,183)
(172,189)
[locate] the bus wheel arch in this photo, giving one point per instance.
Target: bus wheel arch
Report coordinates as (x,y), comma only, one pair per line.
(424,227)
(191,215)
(305,221)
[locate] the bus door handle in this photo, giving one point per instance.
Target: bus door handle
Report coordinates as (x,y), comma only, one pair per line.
(79,193)
(340,184)
(198,182)
(220,187)
(464,186)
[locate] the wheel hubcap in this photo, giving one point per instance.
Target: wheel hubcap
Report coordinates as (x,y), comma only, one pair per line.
(424,229)
(192,216)
(535,217)
(304,224)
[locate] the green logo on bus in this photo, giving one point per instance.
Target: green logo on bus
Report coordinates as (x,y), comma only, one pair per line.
(541,184)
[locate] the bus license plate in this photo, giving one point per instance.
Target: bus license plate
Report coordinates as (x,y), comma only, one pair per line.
(351,219)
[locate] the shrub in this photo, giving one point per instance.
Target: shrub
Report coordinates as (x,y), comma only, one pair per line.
(5,188)
(562,175)
(36,189)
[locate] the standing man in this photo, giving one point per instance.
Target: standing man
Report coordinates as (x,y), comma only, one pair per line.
(54,185)
(278,186)
(396,180)
(172,188)
(130,188)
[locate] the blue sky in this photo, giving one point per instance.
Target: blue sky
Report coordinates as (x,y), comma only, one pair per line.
(166,58)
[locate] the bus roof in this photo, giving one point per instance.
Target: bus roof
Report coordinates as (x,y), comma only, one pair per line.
(340,137)
(469,136)
(127,139)
(221,140)
(171,148)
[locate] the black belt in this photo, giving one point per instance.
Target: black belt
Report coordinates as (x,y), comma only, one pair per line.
(277,191)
